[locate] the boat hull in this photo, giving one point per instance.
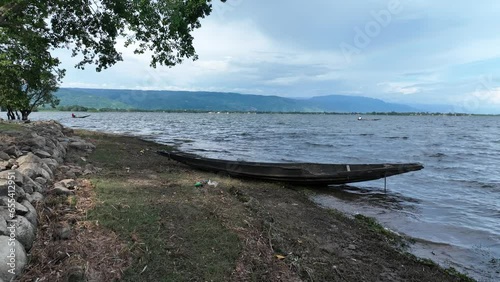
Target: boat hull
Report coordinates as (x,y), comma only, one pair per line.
(295,173)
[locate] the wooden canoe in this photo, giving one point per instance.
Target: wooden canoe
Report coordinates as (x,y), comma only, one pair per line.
(295,173)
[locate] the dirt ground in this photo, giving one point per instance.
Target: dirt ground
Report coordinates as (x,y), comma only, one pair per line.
(143,219)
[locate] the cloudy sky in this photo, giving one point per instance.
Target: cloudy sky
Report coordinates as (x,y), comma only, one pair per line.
(413,52)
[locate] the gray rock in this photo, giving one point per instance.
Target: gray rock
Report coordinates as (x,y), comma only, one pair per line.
(32,215)
(64,168)
(82,145)
(6,186)
(51,163)
(60,151)
(13,151)
(47,168)
(33,171)
(61,190)
(25,231)
(67,183)
(20,194)
(20,209)
(70,174)
(41,180)
(6,214)
(4,165)
(37,197)
(28,187)
(9,174)
(29,158)
(42,154)
(4,156)
(50,145)
(75,171)
(67,130)
(73,139)
(3,226)
(13,162)
(37,141)
(31,186)
(29,198)
(6,269)
(32,166)
(4,201)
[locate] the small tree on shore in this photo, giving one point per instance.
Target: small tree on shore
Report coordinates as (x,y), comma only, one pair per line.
(29,74)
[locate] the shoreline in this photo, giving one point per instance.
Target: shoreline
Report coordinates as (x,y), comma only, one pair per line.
(264,215)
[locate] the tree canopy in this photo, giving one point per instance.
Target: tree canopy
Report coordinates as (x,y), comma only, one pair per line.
(28,73)
(91,27)
(29,30)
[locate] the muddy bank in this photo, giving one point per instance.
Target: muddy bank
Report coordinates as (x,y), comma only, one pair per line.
(164,226)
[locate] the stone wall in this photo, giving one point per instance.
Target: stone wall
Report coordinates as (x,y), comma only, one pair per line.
(31,160)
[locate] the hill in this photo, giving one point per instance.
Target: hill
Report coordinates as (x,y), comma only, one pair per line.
(72,97)
(358,104)
(220,101)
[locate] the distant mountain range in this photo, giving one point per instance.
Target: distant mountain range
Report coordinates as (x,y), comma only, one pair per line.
(219,101)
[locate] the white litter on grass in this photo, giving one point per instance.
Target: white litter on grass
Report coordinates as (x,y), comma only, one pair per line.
(213,183)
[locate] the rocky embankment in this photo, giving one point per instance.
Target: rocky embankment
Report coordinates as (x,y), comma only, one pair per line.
(31,167)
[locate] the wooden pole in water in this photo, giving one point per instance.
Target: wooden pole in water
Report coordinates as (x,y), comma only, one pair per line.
(385,183)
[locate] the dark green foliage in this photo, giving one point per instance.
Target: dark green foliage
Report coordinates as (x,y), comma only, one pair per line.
(28,72)
(92,27)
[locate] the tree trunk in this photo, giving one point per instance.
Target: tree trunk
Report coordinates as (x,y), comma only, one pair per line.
(25,114)
(18,117)
(10,115)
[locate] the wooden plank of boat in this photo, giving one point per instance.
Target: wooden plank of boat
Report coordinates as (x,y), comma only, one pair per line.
(295,173)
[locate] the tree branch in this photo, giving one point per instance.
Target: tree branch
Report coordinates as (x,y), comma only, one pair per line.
(11,8)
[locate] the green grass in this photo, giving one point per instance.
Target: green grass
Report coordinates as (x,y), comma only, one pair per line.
(172,231)
(461,276)
(373,225)
(176,241)
(10,126)
(108,152)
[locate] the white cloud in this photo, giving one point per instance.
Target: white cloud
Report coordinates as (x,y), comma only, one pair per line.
(234,51)
(245,46)
(487,95)
(399,87)
(284,80)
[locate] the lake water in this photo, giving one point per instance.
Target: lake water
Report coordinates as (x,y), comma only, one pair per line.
(452,206)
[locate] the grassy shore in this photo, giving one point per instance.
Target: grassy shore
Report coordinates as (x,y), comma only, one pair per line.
(241,230)
(6,126)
